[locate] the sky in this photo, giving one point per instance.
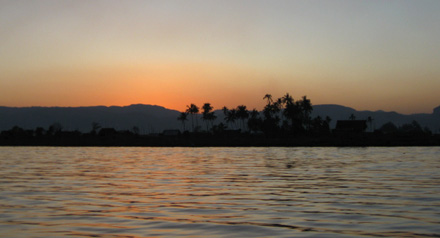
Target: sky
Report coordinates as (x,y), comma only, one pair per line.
(364,54)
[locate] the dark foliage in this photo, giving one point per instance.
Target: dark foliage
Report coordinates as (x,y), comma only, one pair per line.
(282,122)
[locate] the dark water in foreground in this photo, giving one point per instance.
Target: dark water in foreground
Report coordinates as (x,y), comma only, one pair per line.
(219,192)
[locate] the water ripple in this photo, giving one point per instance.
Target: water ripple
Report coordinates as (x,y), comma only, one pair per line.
(219,192)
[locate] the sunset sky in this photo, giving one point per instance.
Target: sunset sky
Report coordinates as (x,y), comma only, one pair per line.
(365,54)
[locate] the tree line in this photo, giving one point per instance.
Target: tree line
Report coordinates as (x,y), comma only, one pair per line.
(279,117)
(282,121)
(283,115)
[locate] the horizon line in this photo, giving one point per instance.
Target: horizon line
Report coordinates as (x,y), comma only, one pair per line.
(155,105)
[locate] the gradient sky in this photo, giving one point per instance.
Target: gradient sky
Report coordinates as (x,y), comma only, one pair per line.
(365,54)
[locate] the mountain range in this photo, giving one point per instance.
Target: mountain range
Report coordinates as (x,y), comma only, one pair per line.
(154,119)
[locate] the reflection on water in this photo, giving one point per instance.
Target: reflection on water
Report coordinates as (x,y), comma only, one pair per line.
(219,192)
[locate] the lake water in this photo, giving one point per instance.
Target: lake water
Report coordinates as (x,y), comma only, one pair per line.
(219,192)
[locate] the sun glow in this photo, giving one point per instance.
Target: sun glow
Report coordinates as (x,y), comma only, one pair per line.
(170,85)
(368,55)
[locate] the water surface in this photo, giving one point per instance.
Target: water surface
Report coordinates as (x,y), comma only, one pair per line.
(219,192)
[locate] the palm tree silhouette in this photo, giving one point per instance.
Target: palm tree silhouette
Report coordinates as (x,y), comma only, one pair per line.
(288,111)
(271,114)
(183,117)
(292,111)
(254,122)
(269,98)
(225,110)
(287,99)
(226,113)
(208,116)
(307,108)
(231,117)
(193,110)
(243,114)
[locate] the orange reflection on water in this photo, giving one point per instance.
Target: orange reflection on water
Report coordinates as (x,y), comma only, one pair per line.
(200,192)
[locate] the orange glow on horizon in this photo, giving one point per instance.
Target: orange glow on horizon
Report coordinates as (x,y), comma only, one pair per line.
(173,86)
(176,85)
(173,53)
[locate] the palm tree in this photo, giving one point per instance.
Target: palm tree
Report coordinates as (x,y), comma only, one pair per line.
(207,108)
(294,114)
(231,117)
(193,110)
(183,117)
(269,98)
(254,122)
(208,116)
(287,99)
(271,108)
(243,114)
(291,111)
(307,108)
(288,103)
(211,118)
(271,117)
(226,114)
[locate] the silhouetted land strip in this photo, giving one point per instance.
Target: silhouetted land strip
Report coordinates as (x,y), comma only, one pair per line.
(207,140)
(282,122)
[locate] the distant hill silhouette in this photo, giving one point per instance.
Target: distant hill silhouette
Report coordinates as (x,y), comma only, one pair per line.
(155,119)
(148,118)
(337,112)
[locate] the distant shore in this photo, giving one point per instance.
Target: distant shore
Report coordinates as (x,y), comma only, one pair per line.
(205,140)
(282,122)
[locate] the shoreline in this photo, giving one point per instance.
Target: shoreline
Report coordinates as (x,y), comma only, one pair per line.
(358,140)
